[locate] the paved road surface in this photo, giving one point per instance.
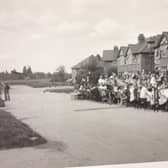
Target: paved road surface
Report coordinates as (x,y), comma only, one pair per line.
(82,133)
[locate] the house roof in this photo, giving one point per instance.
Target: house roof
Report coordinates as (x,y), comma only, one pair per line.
(164,34)
(110,55)
(154,40)
(124,49)
(140,48)
(157,39)
(85,61)
(82,63)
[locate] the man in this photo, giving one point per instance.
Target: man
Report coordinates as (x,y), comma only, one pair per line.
(1,89)
(6,92)
(156,98)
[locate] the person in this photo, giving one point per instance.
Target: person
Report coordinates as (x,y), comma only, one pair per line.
(143,97)
(156,98)
(153,81)
(1,89)
(132,94)
(137,95)
(123,96)
(110,89)
(83,82)
(6,92)
(101,80)
(127,93)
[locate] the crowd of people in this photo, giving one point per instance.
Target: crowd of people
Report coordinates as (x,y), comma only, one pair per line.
(4,90)
(140,89)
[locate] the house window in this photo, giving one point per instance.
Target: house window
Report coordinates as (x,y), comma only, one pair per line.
(164,68)
(157,56)
(134,59)
(164,48)
(126,60)
(122,61)
(163,51)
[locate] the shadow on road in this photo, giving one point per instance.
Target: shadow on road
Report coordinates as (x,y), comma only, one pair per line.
(99,108)
(53,146)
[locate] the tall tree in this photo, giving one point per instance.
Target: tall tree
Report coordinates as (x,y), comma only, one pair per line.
(24,70)
(61,73)
(29,70)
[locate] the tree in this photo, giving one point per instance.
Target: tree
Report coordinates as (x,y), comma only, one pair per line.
(24,70)
(91,69)
(29,71)
(60,74)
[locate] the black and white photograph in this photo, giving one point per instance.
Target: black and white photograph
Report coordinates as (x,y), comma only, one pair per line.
(83,83)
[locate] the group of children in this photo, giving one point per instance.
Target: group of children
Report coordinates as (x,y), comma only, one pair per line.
(138,90)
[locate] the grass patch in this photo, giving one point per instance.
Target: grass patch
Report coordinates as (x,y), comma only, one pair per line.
(60,90)
(36,83)
(15,134)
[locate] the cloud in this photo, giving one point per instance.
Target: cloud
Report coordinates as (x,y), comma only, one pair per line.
(43,29)
(104,28)
(109,29)
(74,27)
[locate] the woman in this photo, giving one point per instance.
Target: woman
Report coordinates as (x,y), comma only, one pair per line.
(143,96)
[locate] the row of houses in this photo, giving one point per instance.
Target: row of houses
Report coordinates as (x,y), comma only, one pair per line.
(147,54)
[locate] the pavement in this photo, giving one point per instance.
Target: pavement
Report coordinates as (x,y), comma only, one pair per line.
(135,165)
(84,133)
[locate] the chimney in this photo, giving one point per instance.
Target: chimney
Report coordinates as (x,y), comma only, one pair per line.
(141,38)
(116,51)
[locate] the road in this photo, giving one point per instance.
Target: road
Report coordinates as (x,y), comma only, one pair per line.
(83,133)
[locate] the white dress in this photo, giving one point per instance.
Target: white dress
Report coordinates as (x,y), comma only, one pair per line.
(132,96)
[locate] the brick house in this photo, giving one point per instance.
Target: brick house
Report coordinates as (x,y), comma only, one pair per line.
(138,57)
(161,52)
(110,60)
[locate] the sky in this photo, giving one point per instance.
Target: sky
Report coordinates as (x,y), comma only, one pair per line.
(48,33)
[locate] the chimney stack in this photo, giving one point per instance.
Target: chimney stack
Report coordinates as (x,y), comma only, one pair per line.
(141,38)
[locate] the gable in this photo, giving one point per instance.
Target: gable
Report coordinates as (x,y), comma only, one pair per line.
(128,59)
(121,59)
(129,53)
(121,53)
(164,41)
(162,50)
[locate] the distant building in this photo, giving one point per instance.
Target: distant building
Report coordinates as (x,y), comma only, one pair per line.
(161,52)
(110,60)
(136,57)
(82,65)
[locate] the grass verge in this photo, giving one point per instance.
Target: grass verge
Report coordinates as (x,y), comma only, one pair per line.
(36,83)
(60,90)
(15,134)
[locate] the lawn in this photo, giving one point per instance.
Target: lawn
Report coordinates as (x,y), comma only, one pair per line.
(36,83)
(15,134)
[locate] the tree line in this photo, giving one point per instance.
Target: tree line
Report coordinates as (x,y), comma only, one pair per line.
(60,74)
